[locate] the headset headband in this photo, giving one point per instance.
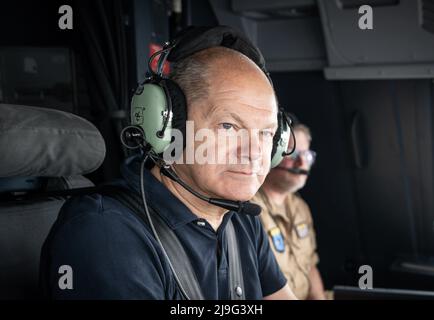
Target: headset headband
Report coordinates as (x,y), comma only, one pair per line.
(195,39)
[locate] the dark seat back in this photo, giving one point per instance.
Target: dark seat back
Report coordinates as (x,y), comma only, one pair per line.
(62,147)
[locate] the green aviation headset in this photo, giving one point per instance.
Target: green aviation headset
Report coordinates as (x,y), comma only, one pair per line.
(159,105)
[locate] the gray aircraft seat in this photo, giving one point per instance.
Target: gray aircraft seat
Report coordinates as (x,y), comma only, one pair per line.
(41,151)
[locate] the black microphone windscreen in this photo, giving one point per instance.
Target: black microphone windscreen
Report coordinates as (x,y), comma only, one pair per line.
(251,209)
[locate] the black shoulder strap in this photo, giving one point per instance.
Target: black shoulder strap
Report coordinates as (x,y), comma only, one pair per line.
(178,258)
(236,282)
(174,249)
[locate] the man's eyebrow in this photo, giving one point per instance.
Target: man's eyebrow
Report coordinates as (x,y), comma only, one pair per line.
(236,117)
(240,120)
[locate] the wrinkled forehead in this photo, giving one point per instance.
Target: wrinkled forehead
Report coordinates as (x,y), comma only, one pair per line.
(253,104)
(238,86)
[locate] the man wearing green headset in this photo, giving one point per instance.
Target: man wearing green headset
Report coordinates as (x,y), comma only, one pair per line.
(114,254)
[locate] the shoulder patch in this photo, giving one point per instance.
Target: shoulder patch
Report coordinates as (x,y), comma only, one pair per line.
(277,238)
(302,230)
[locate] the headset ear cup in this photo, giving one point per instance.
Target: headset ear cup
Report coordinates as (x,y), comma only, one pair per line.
(179,107)
(150,119)
(277,157)
(280,142)
(276,139)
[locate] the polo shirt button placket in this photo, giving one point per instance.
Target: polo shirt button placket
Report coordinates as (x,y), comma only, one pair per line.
(238,291)
(201,223)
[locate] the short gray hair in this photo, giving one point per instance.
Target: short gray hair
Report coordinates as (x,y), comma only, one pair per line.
(193,73)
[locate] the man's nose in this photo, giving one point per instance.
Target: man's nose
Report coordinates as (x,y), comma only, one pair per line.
(301,162)
(255,148)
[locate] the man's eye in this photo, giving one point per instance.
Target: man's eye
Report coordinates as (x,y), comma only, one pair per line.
(268,133)
(226,125)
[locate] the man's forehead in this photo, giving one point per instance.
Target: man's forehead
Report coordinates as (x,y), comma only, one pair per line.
(258,96)
(302,140)
(242,88)
(236,109)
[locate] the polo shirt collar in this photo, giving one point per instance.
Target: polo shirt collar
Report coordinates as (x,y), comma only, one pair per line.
(167,205)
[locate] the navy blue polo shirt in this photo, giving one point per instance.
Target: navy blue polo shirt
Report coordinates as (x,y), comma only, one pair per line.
(114,255)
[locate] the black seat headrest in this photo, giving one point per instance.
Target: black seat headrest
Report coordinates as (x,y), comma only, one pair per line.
(40,142)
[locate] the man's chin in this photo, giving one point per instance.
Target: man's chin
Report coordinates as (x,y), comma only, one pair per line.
(237,194)
(295,187)
(292,185)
